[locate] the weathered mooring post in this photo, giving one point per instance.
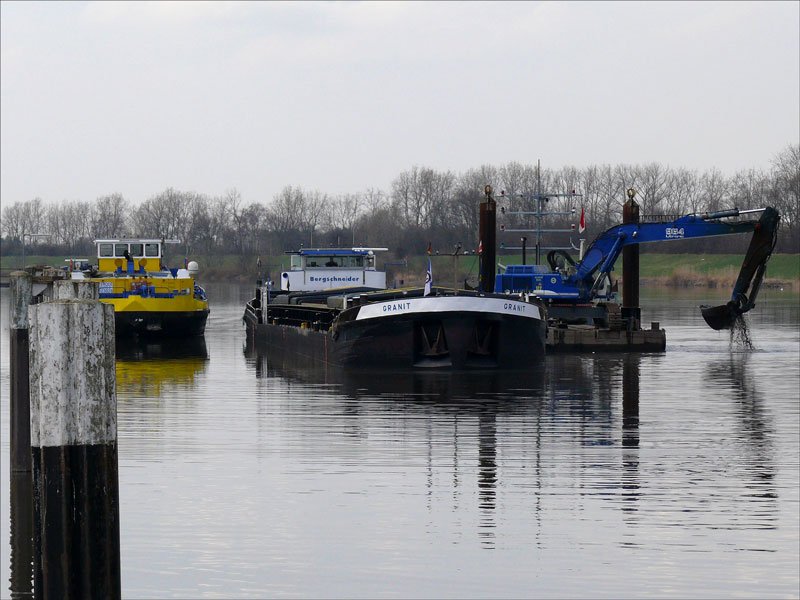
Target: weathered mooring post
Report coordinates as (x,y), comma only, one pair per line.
(75,289)
(631,310)
(488,241)
(74,447)
(21,288)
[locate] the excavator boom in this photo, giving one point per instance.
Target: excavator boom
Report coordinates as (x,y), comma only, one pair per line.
(580,283)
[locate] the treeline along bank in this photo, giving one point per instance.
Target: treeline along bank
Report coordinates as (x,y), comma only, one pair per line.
(422,206)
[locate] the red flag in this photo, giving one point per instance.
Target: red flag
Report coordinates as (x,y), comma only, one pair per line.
(480,247)
(429,249)
(582,222)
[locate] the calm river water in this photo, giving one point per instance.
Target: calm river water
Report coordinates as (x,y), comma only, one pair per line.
(661,475)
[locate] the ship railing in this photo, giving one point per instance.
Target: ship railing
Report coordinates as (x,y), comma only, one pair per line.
(149,290)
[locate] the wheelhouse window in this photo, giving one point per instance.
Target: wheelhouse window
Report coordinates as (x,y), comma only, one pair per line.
(105,250)
(120,249)
(151,250)
(137,250)
(353,262)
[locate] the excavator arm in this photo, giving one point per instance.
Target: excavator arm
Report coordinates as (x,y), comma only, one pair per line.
(586,276)
(748,283)
(604,251)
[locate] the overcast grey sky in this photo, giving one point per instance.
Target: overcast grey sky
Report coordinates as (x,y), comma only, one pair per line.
(137,97)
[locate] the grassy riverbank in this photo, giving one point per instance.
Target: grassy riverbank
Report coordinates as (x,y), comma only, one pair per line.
(674,270)
(677,270)
(714,270)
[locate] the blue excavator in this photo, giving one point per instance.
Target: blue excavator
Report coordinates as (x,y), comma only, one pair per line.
(582,291)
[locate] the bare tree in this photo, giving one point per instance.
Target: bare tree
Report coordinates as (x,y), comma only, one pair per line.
(404,198)
(683,192)
(651,188)
(55,224)
(313,212)
(235,209)
(591,201)
(375,200)
(109,215)
(75,225)
(437,190)
(749,188)
(713,193)
(468,194)
(613,182)
(12,222)
(285,212)
(344,211)
(513,180)
(155,216)
(785,193)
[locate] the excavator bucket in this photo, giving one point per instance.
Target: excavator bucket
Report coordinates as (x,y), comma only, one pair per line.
(722,316)
(765,235)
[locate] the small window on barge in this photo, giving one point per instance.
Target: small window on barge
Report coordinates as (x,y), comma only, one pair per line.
(105,250)
(151,250)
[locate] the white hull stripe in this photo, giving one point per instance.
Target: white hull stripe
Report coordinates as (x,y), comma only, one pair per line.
(543,293)
(441,304)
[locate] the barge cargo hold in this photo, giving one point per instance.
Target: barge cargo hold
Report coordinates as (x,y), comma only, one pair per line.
(402,329)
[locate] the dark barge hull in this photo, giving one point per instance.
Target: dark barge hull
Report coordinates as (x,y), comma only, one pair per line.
(160,324)
(453,340)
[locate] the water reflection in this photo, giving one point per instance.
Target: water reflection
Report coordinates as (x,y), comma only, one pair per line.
(144,368)
(630,431)
(261,477)
(487,473)
(756,430)
(491,419)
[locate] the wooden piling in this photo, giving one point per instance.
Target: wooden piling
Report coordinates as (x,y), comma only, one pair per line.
(78,289)
(21,288)
(74,448)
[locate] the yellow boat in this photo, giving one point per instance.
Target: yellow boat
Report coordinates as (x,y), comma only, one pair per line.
(148,298)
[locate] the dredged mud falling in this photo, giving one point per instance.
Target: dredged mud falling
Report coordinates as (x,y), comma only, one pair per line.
(740,334)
